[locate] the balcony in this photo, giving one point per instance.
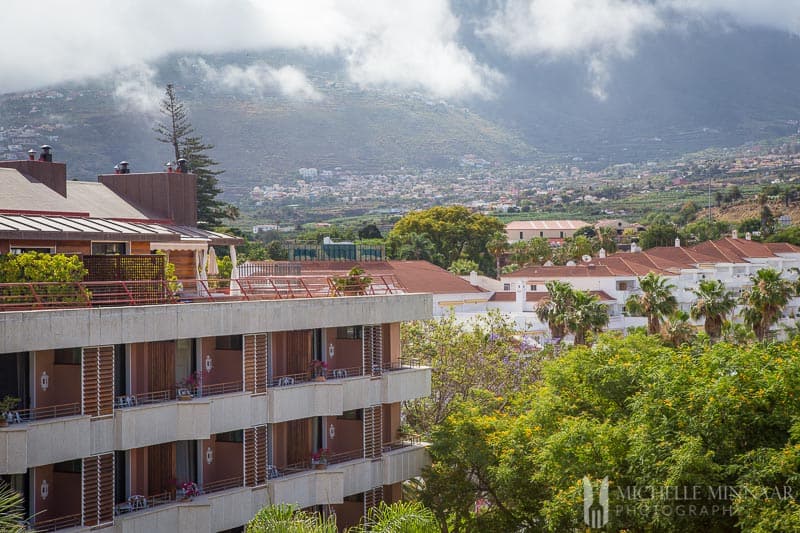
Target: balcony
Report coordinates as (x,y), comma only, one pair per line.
(403,460)
(154,418)
(405,381)
(304,400)
(70,295)
(32,441)
(304,488)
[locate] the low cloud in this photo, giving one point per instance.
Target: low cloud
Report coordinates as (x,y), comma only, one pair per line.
(135,90)
(259,78)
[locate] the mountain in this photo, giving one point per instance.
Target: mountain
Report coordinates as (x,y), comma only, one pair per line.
(679,92)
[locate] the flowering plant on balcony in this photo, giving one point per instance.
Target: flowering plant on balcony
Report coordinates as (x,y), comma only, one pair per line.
(189,489)
(188,385)
(320,457)
(319,368)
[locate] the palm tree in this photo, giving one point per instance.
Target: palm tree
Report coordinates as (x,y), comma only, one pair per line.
(713,303)
(678,330)
(554,308)
(586,314)
(655,302)
(12,510)
(765,300)
(399,517)
(285,518)
(497,246)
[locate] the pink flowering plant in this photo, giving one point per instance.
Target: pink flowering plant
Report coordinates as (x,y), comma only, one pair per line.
(190,489)
(320,456)
(319,368)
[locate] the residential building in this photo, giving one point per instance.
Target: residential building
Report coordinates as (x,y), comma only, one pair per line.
(554,231)
(154,404)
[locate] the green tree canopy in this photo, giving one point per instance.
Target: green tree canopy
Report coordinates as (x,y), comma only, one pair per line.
(655,301)
(765,299)
(714,303)
(454,231)
(658,235)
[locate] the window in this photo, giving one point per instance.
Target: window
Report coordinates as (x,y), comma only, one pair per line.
(533,288)
(506,287)
(69,467)
(541,234)
(228,342)
(561,234)
(349,332)
(355,414)
(68,356)
(622,285)
(521,237)
(109,248)
(231,436)
(21,250)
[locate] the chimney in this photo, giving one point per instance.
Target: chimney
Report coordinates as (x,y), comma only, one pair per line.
(677,242)
(53,175)
(183,166)
(47,154)
(734,234)
(748,236)
(601,253)
(520,297)
(123,167)
(168,164)
(634,247)
(162,195)
(473,278)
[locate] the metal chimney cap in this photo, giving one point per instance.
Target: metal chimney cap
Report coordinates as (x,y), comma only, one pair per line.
(181,159)
(46,147)
(124,163)
(31,151)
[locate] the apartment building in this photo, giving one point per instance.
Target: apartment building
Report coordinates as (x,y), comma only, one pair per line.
(554,231)
(149,404)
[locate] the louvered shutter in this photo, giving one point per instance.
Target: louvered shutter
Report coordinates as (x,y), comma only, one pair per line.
(373,430)
(255,456)
(256,351)
(97,381)
(98,489)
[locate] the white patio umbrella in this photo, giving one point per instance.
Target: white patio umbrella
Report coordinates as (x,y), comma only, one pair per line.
(212,269)
(235,290)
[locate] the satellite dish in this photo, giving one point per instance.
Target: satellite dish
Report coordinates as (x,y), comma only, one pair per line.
(586,258)
(548,264)
(570,263)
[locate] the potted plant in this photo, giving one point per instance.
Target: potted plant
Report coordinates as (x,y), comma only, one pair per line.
(189,490)
(6,405)
(355,283)
(319,370)
(319,459)
(187,387)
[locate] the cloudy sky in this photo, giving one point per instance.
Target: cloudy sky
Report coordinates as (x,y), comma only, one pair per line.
(407,45)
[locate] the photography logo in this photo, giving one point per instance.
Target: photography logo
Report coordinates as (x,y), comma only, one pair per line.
(595,514)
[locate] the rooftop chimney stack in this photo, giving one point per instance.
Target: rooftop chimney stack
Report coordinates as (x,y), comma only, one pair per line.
(31,155)
(168,164)
(183,166)
(123,167)
(473,278)
(734,234)
(634,247)
(519,297)
(748,236)
(677,242)
(602,253)
(47,154)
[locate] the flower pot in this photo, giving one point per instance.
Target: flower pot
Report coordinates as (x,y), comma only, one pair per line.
(3,421)
(319,378)
(185,397)
(321,466)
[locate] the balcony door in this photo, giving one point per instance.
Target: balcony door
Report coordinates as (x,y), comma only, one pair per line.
(298,351)
(161,367)
(299,440)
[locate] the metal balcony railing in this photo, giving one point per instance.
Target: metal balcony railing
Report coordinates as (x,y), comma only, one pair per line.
(58,295)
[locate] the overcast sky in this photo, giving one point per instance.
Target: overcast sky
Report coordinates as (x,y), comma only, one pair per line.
(408,44)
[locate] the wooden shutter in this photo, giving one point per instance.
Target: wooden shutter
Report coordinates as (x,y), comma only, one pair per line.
(299,441)
(372,350)
(373,431)
(255,456)
(298,351)
(98,489)
(372,498)
(97,381)
(161,367)
(161,470)
(255,362)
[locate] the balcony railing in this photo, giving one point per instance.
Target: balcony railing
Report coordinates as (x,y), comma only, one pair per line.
(308,464)
(219,388)
(54,524)
(18,416)
(57,295)
(222,484)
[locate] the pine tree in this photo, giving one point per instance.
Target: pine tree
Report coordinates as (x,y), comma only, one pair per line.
(177,131)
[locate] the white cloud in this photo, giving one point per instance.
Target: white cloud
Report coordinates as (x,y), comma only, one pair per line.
(260,77)
(135,90)
(404,44)
(602,31)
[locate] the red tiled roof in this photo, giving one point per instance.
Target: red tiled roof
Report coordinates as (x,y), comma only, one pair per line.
(415,276)
(505,296)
